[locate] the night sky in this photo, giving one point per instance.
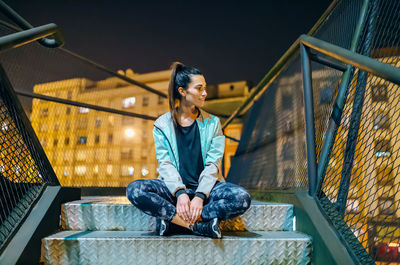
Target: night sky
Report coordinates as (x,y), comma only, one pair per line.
(227,41)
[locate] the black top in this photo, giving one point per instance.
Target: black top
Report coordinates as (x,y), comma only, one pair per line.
(190,158)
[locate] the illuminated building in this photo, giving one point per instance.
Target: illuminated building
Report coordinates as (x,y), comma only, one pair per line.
(94,148)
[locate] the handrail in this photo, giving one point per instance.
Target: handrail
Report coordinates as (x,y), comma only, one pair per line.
(365,63)
(85,105)
(58,40)
(20,38)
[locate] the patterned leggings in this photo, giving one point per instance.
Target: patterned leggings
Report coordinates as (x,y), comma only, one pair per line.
(152,196)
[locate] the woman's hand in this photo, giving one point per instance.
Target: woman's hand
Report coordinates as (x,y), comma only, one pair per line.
(183,206)
(196,207)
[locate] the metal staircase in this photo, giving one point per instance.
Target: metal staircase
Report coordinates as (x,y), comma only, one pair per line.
(109,230)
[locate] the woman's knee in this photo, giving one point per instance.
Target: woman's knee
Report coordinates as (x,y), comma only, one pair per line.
(243,199)
(135,190)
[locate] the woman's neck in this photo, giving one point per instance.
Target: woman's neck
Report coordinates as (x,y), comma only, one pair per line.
(187,114)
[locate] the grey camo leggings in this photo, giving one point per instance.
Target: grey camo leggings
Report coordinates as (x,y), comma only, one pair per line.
(152,196)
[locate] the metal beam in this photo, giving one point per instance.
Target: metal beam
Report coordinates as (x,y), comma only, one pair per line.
(85,105)
(309,115)
(365,63)
(58,40)
(21,38)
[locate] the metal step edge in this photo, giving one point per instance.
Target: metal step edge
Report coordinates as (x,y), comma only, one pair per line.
(120,247)
(100,214)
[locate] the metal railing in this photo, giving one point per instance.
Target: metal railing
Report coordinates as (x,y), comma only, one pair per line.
(350,132)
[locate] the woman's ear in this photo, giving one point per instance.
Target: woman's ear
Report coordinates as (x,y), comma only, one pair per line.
(182,92)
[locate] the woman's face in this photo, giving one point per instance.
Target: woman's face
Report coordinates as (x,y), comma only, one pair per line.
(196,93)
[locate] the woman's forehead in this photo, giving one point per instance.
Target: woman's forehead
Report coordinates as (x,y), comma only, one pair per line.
(197,80)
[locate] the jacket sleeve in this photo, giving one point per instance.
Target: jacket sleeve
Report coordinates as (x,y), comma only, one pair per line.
(209,175)
(168,172)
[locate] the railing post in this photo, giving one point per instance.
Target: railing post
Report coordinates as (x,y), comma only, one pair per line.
(355,118)
(338,106)
(309,115)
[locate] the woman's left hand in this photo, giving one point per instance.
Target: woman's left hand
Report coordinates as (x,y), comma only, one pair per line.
(196,207)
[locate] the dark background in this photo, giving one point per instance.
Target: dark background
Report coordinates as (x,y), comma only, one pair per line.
(227,41)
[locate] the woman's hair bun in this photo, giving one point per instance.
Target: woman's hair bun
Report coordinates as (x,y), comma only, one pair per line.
(177,66)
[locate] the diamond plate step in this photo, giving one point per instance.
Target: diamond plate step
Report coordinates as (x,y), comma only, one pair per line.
(117,213)
(133,247)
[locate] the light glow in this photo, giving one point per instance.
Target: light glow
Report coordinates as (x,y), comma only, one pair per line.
(129,132)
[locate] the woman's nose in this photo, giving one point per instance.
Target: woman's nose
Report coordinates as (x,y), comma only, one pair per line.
(204,93)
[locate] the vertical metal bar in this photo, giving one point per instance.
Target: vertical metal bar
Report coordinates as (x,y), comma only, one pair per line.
(309,113)
(355,118)
(338,106)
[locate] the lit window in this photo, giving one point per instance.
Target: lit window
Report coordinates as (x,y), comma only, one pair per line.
(2,168)
(83,110)
(128,102)
(109,169)
(145,171)
(129,133)
(80,170)
(44,112)
(56,126)
(127,170)
(17,170)
(96,169)
(4,126)
(81,155)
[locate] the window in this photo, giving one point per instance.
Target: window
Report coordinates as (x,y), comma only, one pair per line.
(111,120)
(66,141)
(145,102)
(109,169)
(126,153)
(81,155)
(379,92)
(381,120)
(110,137)
(80,170)
(97,139)
(83,110)
(82,140)
(97,123)
(67,125)
(68,111)
(144,153)
(127,170)
(128,102)
(69,95)
(82,123)
(2,168)
(4,126)
(43,127)
(56,126)
(160,100)
(96,169)
(145,171)
(43,142)
(55,142)
(44,112)
(382,148)
(109,154)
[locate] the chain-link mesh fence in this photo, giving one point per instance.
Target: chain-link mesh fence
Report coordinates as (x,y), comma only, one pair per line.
(360,192)
(24,169)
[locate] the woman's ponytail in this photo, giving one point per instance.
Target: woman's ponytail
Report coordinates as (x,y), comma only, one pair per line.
(180,77)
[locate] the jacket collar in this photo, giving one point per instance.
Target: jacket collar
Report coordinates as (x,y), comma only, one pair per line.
(165,120)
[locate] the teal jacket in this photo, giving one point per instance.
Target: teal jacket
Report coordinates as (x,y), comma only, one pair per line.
(212,148)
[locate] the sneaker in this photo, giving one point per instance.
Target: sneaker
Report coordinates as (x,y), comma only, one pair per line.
(209,228)
(164,225)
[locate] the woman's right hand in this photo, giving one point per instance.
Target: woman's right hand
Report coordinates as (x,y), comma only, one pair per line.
(183,206)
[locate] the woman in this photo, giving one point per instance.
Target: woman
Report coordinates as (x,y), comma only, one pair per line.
(190,190)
